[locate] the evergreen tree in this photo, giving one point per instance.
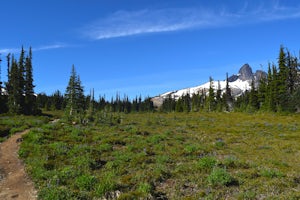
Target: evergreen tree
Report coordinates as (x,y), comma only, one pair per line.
(19,85)
(242,102)
(140,103)
(274,88)
(211,102)
(179,105)
(135,106)
(293,77)
(169,104)
(269,102)
(127,105)
(219,98)
(187,103)
(7,85)
(91,110)
(2,99)
(261,93)
(196,102)
(282,80)
(253,98)
(30,99)
(14,90)
(148,104)
(21,77)
(57,100)
(74,97)
(227,98)
(295,100)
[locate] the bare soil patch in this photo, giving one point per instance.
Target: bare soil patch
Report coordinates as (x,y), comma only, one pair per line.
(14,183)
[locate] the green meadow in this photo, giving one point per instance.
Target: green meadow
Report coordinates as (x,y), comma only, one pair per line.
(167,156)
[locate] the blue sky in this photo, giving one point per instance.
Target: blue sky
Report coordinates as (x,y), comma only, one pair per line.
(145,47)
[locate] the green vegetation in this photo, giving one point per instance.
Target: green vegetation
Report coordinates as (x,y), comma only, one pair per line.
(20,98)
(168,156)
(12,124)
(278,91)
(131,150)
(219,177)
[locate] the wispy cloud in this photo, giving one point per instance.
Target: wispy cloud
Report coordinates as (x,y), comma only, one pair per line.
(48,47)
(125,23)
(8,50)
(40,48)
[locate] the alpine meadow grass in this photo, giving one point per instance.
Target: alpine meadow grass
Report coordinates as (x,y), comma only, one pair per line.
(168,156)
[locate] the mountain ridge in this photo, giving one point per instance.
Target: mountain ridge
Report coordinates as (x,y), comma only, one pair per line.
(238,83)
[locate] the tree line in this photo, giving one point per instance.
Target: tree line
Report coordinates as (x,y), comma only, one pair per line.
(80,107)
(205,100)
(279,91)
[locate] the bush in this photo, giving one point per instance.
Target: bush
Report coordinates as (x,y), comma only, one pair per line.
(67,174)
(220,143)
(270,173)
(85,182)
(144,188)
(105,185)
(189,149)
(54,192)
(219,177)
(207,162)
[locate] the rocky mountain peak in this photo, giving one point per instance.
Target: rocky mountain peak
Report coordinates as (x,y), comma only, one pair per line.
(238,84)
(245,73)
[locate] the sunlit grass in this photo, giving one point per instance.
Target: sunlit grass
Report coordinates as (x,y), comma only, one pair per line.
(174,156)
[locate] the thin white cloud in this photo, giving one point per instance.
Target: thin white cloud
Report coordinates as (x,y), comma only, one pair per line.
(8,50)
(40,48)
(274,11)
(125,23)
(48,47)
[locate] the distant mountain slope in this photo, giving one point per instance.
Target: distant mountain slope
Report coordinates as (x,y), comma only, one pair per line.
(238,84)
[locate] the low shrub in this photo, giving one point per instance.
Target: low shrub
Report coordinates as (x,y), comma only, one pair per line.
(207,163)
(219,177)
(106,184)
(54,192)
(271,173)
(144,188)
(85,182)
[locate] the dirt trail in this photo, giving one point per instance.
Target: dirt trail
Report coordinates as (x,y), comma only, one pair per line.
(14,183)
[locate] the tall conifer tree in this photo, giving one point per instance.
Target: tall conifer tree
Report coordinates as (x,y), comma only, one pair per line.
(30,100)
(74,97)
(282,80)
(227,98)
(219,98)
(21,77)
(14,91)
(253,98)
(211,103)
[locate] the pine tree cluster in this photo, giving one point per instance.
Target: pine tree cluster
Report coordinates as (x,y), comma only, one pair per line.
(205,100)
(278,92)
(19,97)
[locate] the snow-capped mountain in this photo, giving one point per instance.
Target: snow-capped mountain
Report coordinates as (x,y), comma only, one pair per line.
(238,84)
